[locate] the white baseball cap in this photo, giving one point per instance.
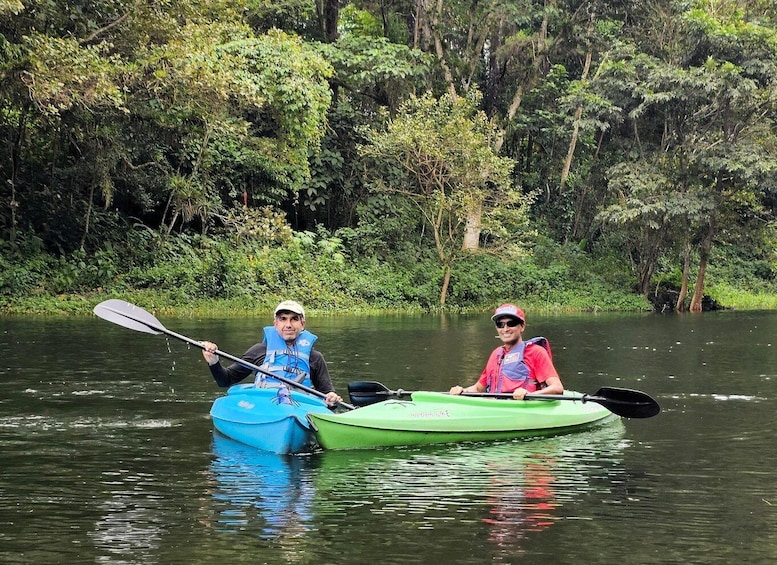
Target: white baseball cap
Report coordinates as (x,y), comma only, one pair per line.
(290,306)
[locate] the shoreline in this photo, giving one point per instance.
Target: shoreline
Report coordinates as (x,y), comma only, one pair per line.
(160,303)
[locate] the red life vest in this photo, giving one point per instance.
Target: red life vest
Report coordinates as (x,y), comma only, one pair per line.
(513,373)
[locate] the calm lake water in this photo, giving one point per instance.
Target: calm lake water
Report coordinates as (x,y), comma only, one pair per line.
(107,453)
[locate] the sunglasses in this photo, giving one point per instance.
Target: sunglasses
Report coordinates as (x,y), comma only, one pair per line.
(511,323)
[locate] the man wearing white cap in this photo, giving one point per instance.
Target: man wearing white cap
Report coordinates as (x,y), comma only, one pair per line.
(286,350)
(516,366)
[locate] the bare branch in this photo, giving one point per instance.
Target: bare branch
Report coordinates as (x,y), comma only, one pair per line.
(96,33)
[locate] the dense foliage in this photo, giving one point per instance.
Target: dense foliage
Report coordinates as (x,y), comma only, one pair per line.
(401,154)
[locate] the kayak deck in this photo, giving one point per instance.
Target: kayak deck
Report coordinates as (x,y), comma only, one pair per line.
(260,418)
(432,417)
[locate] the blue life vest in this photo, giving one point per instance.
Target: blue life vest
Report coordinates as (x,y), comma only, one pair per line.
(291,362)
(513,372)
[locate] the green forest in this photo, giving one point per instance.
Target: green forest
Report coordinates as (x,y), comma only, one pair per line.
(394,155)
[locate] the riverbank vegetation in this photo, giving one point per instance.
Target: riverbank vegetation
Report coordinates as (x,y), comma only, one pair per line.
(216,157)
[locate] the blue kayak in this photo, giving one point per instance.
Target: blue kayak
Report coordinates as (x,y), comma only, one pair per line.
(271,419)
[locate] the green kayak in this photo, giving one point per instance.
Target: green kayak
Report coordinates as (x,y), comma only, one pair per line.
(434,417)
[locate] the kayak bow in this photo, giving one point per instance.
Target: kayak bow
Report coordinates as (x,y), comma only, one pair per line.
(270,419)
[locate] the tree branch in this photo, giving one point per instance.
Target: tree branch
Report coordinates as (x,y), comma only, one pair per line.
(96,33)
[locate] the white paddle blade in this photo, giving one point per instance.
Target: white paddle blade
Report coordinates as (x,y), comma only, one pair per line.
(128,315)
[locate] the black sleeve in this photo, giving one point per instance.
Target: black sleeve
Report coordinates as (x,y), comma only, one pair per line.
(236,372)
(319,373)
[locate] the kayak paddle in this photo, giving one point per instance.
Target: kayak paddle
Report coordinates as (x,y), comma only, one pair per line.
(136,318)
(621,401)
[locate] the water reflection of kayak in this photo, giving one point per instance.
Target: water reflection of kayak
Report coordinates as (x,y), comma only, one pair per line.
(514,488)
(271,419)
(509,489)
(442,470)
(256,489)
(431,417)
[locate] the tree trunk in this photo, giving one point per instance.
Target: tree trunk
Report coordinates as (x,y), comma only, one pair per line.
(415,23)
(172,222)
(331,19)
(446,281)
(439,50)
(472,232)
(88,217)
(540,54)
(493,73)
(698,291)
(645,274)
(572,145)
(579,111)
(16,160)
(704,252)
(680,304)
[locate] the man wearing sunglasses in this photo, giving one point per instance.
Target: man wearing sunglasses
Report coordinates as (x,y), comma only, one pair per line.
(516,366)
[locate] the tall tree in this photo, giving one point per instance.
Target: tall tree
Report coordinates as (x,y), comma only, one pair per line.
(171,114)
(706,127)
(437,153)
